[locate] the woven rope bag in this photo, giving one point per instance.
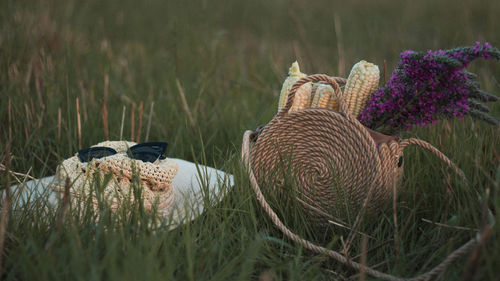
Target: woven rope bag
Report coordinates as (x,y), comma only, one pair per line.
(335,159)
(337,164)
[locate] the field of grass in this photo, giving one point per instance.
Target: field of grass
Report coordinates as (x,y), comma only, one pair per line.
(228,60)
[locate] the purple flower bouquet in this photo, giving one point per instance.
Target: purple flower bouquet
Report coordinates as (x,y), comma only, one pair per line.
(427,87)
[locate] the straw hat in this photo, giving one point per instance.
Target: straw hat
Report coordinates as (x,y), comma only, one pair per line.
(191,189)
(116,172)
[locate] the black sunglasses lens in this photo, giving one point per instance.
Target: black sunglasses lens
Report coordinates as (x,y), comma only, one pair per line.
(90,153)
(146,156)
(158,147)
(148,150)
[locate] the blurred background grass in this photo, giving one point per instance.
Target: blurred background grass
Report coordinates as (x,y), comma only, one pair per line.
(229,59)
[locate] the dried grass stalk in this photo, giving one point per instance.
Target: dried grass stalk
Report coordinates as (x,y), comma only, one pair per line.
(132,122)
(104,113)
(123,121)
(6,204)
(78,123)
(141,107)
(59,120)
(149,120)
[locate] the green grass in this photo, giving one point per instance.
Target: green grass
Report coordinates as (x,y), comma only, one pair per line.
(230,58)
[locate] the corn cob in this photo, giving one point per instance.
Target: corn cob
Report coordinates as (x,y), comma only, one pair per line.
(302,97)
(333,104)
(361,83)
(294,75)
(325,98)
(315,95)
(325,94)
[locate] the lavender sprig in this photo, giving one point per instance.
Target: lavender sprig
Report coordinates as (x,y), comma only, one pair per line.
(427,87)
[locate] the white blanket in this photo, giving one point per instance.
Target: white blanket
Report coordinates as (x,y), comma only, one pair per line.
(194,185)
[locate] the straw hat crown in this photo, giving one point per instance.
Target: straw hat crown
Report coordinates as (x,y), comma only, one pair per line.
(116,173)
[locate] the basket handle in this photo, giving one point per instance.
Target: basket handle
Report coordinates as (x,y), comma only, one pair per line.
(333,81)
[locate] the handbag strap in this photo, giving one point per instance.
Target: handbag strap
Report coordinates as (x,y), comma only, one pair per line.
(413,141)
(469,245)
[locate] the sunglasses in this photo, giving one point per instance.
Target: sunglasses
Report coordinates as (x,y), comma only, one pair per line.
(147,152)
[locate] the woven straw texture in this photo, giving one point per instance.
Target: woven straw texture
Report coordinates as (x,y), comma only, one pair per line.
(155,178)
(333,158)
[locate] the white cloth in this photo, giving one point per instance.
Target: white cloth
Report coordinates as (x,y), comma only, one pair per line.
(194,186)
